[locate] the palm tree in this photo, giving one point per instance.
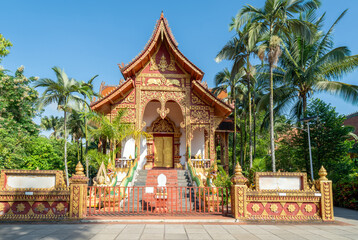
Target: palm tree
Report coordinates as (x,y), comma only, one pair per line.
(76,127)
(308,67)
(271,23)
(114,131)
(61,91)
(225,80)
(86,89)
(239,50)
(53,123)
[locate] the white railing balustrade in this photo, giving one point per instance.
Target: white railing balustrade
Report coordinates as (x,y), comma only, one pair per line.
(123,162)
(201,163)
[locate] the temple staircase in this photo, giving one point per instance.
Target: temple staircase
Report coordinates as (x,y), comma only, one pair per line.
(175,178)
(179,194)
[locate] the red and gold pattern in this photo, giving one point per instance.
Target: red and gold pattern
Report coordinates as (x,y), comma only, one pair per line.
(279,205)
(44,204)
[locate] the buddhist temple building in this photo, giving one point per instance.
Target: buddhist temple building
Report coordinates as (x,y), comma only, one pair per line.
(164,95)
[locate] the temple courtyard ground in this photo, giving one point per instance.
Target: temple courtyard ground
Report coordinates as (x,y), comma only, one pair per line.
(346,227)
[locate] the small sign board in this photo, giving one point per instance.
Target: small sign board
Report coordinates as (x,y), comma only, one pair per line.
(280,181)
(149,189)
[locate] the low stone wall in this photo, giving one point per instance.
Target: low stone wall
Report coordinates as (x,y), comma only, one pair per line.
(30,195)
(300,203)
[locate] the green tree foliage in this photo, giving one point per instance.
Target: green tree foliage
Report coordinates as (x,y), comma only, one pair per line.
(330,144)
(17,103)
(4,46)
(54,124)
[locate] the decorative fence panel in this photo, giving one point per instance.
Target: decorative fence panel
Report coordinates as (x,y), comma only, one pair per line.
(282,196)
(112,201)
(36,195)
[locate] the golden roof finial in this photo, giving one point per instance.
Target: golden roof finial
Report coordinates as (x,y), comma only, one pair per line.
(322,173)
(79,169)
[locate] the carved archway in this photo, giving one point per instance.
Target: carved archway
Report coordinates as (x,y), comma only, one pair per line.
(163,126)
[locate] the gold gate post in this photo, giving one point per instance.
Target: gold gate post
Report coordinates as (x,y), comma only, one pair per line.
(325,187)
(238,193)
(78,193)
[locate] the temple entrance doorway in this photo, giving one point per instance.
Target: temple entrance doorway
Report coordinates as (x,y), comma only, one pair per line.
(163,151)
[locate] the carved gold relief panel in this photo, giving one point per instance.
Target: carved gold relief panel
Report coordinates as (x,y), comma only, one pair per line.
(199,116)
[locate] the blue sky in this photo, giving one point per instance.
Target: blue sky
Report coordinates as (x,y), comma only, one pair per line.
(90,37)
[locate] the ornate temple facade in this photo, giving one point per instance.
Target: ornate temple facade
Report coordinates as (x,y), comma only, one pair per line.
(164,95)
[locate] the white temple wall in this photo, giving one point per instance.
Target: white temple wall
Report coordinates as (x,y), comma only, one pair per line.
(128,148)
(198,144)
(150,115)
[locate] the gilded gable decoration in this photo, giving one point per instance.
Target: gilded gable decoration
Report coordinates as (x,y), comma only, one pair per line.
(163,64)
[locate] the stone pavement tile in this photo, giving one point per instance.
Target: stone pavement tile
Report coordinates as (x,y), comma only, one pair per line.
(352,236)
(298,231)
(172,236)
(153,230)
(268,227)
(199,236)
(105,236)
(30,237)
(111,230)
(268,237)
(290,236)
(193,226)
(325,234)
(337,231)
(195,230)
(226,236)
(256,230)
(58,236)
(279,232)
(175,231)
(313,237)
(155,226)
(81,236)
(129,236)
(152,236)
(245,236)
(9,237)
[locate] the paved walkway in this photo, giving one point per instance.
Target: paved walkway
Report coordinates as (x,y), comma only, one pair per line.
(347,228)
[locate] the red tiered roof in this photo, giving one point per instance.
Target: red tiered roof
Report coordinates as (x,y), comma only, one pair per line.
(138,62)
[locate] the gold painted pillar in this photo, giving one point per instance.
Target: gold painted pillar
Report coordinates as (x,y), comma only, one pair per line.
(325,187)
(226,152)
(238,194)
(187,119)
(78,193)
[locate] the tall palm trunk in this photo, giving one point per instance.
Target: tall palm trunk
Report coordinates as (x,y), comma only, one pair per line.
(241,145)
(234,137)
(254,112)
(272,137)
(65,129)
(86,150)
(304,104)
(250,111)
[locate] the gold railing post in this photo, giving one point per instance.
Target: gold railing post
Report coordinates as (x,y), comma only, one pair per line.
(238,193)
(325,187)
(78,193)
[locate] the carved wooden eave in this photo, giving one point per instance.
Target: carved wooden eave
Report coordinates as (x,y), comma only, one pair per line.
(221,109)
(160,32)
(103,104)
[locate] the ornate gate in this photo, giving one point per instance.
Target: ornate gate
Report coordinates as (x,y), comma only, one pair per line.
(112,201)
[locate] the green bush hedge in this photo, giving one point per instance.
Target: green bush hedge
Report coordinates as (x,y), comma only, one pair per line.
(345,194)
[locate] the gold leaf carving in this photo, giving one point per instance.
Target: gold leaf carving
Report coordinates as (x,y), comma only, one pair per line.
(20,207)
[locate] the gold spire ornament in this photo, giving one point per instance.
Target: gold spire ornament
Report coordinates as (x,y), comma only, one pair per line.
(79,169)
(238,178)
(322,173)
